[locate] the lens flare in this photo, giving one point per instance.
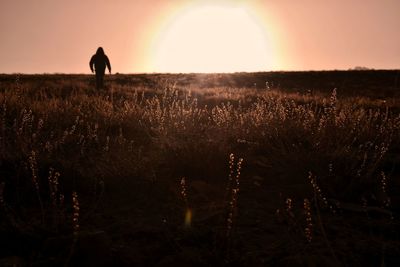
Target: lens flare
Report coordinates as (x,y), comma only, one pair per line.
(188,218)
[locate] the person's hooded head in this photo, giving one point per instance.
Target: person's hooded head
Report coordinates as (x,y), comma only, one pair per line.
(100,51)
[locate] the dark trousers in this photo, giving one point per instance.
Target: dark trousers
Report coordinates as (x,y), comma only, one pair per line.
(99,79)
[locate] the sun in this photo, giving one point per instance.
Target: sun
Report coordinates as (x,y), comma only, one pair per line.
(212,38)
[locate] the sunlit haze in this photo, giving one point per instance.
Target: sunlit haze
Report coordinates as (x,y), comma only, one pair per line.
(47,36)
(210,38)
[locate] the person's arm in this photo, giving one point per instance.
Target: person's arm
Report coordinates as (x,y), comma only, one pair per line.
(91,63)
(108,64)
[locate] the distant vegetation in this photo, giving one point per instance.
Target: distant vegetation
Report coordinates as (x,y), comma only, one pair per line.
(361,68)
(261,169)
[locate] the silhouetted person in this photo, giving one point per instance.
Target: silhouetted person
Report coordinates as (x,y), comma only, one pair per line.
(99,61)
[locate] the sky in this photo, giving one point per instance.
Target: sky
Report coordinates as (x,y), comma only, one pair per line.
(145,36)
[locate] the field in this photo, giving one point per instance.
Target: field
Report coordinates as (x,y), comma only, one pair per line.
(246,169)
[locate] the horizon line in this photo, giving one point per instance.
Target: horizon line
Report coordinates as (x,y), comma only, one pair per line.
(154,73)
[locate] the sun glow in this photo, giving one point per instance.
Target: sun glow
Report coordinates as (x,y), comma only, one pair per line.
(212,38)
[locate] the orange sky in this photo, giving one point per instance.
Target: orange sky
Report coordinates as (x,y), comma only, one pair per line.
(49,36)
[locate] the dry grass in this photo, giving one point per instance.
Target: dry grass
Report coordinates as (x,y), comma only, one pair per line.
(127,146)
